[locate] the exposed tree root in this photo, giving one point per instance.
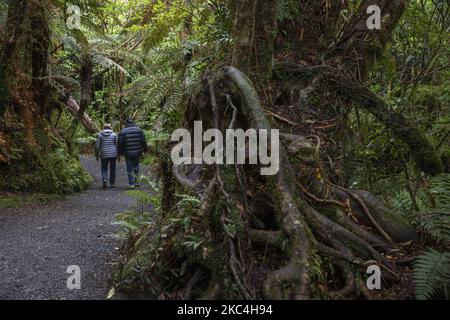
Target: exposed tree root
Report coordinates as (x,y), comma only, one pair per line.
(194,280)
(296,215)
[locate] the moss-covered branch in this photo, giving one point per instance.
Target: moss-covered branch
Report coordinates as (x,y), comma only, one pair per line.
(423,152)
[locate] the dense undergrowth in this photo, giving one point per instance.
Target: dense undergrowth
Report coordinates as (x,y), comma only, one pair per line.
(57,173)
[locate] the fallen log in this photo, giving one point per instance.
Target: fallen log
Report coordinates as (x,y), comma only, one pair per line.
(87,122)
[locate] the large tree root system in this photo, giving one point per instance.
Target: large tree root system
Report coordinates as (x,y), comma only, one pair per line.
(294,235)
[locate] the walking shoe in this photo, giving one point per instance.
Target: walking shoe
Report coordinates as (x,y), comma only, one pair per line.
(105,184)
(113,186)
(132,186)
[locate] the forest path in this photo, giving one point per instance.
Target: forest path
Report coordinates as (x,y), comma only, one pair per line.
(39,242)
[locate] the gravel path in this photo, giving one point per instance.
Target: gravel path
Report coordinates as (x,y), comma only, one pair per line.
(39,242)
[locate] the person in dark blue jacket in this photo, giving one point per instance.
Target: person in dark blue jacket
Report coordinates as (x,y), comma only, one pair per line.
(132,144)
(106,149)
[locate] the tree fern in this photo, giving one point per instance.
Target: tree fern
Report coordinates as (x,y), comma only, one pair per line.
(106,62)
(431,274)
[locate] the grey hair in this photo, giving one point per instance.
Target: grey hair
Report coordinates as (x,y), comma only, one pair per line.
(107,126)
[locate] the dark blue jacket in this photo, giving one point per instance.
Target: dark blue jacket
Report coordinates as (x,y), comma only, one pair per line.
(132,141)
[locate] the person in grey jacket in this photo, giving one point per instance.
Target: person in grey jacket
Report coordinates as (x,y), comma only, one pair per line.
(106,149)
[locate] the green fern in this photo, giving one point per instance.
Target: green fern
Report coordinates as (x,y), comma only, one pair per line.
(41,136)
(435,223)
(436,196)
(107,63)
(402,202)
(440,190)
(431,274)
(287,9)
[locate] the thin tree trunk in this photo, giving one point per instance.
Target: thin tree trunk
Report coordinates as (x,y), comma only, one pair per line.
(121,104)
(243,34)
(265,34)
(86,72)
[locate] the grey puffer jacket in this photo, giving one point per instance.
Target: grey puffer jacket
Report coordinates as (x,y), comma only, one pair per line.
(106,145)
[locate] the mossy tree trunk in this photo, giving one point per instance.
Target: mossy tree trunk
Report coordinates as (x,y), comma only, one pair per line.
(13,29)
(31,161)
(86,71)
(254,33)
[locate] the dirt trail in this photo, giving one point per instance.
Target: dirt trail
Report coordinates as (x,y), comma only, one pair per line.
(39,242)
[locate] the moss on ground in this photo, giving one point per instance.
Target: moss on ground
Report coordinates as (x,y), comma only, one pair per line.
(12,200)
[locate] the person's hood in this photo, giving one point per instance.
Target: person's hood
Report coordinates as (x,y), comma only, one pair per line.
(129,122)
(106,132)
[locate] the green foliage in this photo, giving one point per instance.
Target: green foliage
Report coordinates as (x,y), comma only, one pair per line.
(435,195)
(412,77)
(10,200)
(428,209)
(402,202)
(67,174)
(139,216)
(188,202)
(56,173)
(432,274)
(435,223)
(193,242)
(440,190)
(432,268)
(155,246)
(287,9)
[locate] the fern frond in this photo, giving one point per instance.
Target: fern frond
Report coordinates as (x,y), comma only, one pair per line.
(440,190)
(107,62)
(436,223)
(431,273)
(70,43)
(41,136)
(402,202)
(286,9)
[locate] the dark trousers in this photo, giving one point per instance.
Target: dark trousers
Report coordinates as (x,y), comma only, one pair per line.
(132,163)
(111,163)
